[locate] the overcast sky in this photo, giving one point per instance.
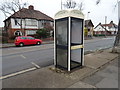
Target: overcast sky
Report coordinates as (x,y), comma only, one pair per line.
(97,12)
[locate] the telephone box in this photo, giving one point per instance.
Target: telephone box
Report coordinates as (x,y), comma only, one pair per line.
(68,36)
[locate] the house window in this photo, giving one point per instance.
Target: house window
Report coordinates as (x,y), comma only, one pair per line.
(51,23)
(30,32)
(18,33)
(15,21)
(31,22)
(42,23)
(6,23)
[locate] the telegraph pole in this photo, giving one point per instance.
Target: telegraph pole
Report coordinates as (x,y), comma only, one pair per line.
(61,4)
(105,25)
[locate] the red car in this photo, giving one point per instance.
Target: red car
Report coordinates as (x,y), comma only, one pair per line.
(26,40)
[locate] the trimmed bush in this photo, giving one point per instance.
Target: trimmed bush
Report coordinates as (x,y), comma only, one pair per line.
(99,35)
(42,33)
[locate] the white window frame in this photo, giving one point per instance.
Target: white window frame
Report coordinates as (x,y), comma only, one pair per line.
(31,22)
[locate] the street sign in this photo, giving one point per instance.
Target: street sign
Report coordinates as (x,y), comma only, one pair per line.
(68,32)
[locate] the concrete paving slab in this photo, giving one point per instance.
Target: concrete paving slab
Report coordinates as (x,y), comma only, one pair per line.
(108,83)
(115,62)
(81,85)
(97,59)
(107,55)
(109,72)
(79,74)
(105,77)
(94,62)
(93,80)
(111,69)
(108,75)
(45,78)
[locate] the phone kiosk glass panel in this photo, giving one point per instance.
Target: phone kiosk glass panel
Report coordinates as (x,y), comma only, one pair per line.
(76,41)
(62,43)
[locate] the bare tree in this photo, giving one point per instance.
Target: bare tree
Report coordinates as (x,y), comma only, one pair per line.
(98,1)
(117,39)
(70,4)
(80,6)
(8,8)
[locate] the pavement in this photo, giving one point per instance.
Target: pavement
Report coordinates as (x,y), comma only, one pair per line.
(100,71)
(107,77)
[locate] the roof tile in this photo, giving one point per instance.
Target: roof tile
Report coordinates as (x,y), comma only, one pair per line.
(28,13)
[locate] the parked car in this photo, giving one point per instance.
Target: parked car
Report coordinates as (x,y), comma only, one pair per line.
(26,40)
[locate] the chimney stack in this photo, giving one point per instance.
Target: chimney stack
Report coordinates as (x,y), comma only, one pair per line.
(111,22)
(31,7)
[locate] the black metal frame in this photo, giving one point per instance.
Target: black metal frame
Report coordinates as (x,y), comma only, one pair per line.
(62,19)
(72,44)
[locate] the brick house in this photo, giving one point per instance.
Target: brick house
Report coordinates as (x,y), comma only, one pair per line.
(1,33)
(27,22)
(106,29)
(1,30)
(88,28)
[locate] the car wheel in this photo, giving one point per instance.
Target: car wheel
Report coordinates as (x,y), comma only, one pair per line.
(16,45)
(38,43)
(21,44)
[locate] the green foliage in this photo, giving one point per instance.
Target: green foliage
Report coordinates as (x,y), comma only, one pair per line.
(42,33)
(97,35)
(13,37)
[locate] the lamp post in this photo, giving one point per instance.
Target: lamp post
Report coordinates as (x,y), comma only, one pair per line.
(88,15)
(105,25)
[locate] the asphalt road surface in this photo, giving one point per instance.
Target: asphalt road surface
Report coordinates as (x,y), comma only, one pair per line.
(20,58)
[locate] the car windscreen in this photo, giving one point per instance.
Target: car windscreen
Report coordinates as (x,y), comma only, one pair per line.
(22,37)
(31,38)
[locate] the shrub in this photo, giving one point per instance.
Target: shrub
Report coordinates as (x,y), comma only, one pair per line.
(42,33)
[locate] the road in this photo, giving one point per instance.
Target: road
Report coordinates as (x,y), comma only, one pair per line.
(97,44)
(20,58)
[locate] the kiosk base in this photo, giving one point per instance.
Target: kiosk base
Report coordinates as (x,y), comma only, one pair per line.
(75,64)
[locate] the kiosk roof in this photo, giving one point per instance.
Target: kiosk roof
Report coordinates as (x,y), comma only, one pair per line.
(69,13)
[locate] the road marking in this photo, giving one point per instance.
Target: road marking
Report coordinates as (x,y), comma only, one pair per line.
(37,66)
(22,56)
(17,73)
(107,38)
(13,56)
